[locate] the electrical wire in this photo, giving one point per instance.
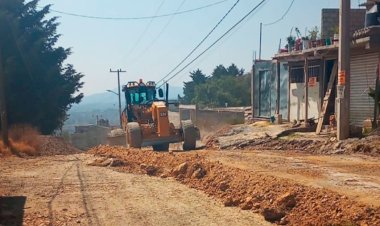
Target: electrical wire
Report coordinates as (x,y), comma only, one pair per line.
(137,18)
(282,17)
(160,33)
(145,30)
(200,43)
(215,42)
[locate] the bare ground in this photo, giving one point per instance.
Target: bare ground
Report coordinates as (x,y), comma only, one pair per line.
(116,186)
(66,190)
(273,185)
(355,176)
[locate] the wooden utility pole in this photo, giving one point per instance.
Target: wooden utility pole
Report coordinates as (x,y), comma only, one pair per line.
(118,86)
(278,103)
(377,98)
(261,37)
(306,71)
(3,105)
(253,90)
(343,86)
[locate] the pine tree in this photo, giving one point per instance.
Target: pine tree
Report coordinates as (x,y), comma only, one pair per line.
(40,89)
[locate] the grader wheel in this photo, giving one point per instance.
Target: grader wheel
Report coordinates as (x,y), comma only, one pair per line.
(134,138)
(189,135)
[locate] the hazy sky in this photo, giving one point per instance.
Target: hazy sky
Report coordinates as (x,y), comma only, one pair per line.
(151,48)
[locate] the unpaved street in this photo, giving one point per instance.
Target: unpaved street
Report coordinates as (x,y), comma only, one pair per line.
(65,190)
(113,185)
(355,176)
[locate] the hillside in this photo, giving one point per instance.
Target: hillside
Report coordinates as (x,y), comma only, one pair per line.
(103,105)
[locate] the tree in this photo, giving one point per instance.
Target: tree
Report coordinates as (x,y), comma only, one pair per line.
(40,89)
(198,78)
(227,85)
(219,71)
(233,70)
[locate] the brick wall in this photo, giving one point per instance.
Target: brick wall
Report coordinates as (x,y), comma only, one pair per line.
(330,20)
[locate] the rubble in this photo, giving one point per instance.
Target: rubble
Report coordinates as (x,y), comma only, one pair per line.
(303,142)
(51,145)
(279,200)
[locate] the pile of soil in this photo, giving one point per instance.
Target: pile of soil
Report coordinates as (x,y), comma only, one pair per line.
(50,145)
(278,200)
(369,145)
(211,141)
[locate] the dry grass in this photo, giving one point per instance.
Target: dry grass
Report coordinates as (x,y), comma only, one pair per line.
(23,139)
(3,150)
(262,124)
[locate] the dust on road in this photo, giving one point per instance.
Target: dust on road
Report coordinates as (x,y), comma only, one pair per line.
(66,190)
(279,199)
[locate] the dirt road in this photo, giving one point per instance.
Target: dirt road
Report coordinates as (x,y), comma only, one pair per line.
(285,187)
(354,176)
(65,190)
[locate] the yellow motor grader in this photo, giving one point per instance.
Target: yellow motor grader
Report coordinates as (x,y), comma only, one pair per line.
(145,119)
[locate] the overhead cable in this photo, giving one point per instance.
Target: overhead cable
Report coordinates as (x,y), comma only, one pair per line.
(200,43)
(282,17)
(160,33)
(145,30)
(214,43)
(136,18)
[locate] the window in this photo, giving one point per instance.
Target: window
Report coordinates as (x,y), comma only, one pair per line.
(314,71)
(297,75)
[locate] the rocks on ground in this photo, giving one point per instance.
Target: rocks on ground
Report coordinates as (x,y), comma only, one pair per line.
(305,142)
(278,200)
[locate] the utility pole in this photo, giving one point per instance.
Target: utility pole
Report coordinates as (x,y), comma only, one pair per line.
(377,98)
(261,37)
(118,86)
(343,86)
(306,71)
(3,105)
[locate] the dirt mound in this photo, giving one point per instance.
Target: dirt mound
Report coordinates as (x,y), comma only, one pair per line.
(51,145)
(278,200)
(369,145)
(23,140)
(211,140)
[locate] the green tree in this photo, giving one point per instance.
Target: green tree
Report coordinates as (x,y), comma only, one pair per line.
(39,87)
(233,70)
(227,85)
(198,78)
(219,71)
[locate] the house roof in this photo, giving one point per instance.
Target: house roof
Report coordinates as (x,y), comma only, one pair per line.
(367,31)
(367,37)
(370,3)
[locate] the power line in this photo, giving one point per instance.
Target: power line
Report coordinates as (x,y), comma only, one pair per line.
(160,33)
(220,38)
(137,18)
(145,30)
(201,42)
(283,16)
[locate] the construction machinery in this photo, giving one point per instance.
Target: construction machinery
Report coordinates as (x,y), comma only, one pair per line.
(145,119)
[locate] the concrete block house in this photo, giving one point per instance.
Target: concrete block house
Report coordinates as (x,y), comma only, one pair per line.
(279,86)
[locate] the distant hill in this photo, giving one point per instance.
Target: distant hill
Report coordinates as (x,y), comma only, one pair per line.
(103,105)
(106,100)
